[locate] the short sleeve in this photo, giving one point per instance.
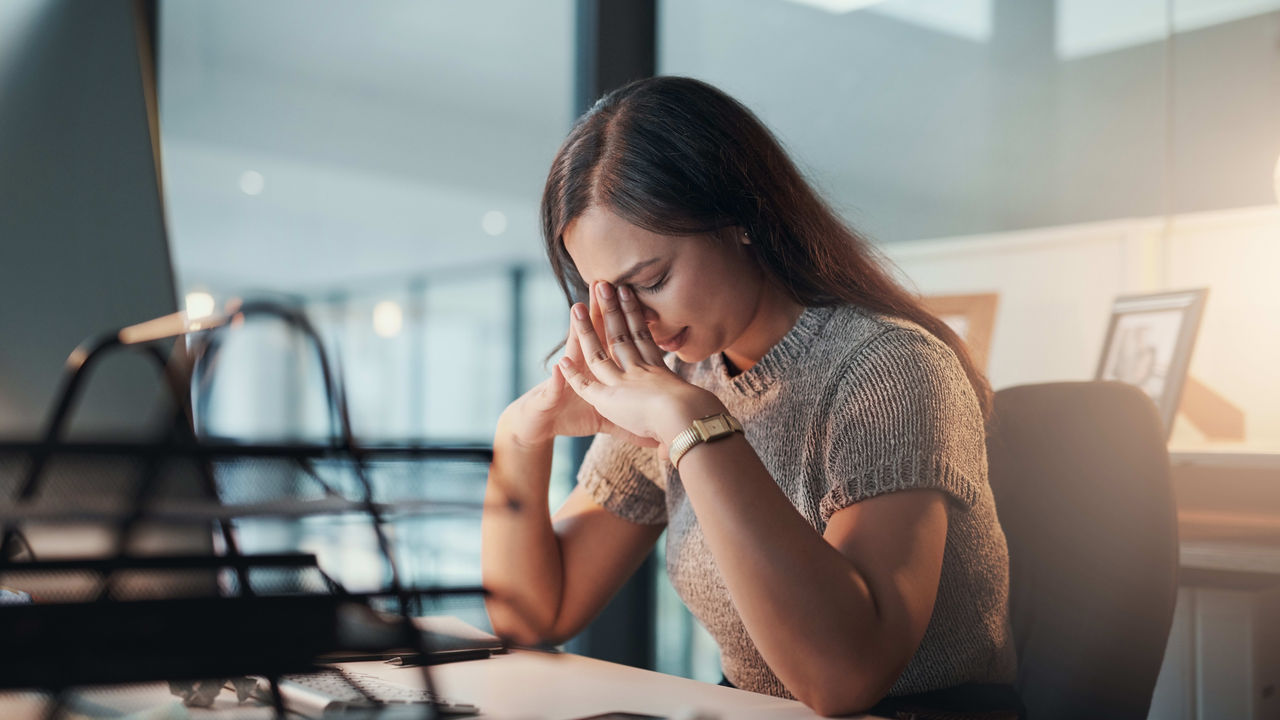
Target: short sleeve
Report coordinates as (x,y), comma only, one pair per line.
(903,416)
(623,479)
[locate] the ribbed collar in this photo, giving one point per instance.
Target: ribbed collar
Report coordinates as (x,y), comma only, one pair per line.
(798,340)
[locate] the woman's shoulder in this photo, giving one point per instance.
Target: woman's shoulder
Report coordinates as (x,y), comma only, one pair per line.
(856,335)
(871,355)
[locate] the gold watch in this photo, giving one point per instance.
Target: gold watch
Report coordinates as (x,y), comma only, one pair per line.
(711,427)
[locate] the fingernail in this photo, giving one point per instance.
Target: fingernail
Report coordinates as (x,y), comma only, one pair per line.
(579,311)
(564,362)
(606,290)
(624,292)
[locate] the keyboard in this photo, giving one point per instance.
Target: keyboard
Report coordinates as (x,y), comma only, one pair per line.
(333,692)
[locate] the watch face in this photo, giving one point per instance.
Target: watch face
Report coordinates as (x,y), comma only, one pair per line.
(716,425)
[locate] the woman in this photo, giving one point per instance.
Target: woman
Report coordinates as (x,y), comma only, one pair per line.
(841,548)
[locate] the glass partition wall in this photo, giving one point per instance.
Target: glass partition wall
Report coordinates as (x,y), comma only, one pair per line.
(377,165)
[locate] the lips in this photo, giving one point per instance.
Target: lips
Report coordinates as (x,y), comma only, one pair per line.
(674,342)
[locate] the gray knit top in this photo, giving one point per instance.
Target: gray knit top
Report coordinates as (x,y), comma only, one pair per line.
(847,406)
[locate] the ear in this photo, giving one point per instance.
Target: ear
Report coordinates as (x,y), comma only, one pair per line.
(734,235)
(737,234)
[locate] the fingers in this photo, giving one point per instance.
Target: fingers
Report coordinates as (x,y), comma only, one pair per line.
(597,314)
(616,331)
(582,382)
(573,348)
(633,311)
(598,362)
(555,386)
(573,351)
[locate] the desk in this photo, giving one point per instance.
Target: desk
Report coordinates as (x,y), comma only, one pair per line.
(1227,497)
(1229,599)
(541,685)
(523,685)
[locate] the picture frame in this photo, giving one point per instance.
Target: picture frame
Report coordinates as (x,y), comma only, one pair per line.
(972,317)
(1149,342)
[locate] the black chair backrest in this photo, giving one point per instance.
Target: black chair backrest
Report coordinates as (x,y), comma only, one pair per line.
(1080,474)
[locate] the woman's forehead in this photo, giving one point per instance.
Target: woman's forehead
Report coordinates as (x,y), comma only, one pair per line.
(603,246)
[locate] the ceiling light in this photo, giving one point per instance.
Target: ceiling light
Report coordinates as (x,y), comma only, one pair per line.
(387,319)
(199,305)
(494,223)
(252,182)
(838,6)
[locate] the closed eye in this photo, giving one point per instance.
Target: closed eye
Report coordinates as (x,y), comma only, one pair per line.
(656,286)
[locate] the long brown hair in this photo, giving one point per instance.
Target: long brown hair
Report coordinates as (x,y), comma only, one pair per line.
(677,156)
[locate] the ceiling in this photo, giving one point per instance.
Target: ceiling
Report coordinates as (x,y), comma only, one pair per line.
(383,132)
(395,124)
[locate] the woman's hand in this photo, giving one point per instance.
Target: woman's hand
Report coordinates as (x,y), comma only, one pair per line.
(549,409)
(628,384)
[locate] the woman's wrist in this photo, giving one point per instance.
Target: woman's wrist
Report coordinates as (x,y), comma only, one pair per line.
(683,409)
(512,429)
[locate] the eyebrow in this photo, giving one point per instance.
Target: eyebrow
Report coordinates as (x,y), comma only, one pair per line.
(626,276)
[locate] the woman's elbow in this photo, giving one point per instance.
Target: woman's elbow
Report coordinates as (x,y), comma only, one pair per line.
(838,702)
(526,628)
(845,692)
(514,633)
(518,625)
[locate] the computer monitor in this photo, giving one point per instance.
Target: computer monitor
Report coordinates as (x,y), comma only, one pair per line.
(83,251)
(82,230)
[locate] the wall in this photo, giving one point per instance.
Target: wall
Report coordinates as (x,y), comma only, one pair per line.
(1056,286)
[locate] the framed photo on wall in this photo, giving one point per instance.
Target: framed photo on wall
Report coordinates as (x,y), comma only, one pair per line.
(1149,342)
(973,317)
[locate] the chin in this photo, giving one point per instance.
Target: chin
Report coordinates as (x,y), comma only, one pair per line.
(692,356)
(693,351)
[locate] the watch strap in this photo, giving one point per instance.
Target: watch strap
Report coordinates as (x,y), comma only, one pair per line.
(703,430)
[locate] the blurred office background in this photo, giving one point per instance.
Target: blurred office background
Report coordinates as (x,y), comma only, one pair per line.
(379,164)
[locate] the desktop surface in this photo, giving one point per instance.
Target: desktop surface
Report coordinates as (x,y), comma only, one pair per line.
(563,686)
(521,684)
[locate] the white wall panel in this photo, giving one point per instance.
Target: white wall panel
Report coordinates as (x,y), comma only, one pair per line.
(1056,286)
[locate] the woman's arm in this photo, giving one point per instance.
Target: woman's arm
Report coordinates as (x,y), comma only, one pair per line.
(836,617)
(548,577)
(519,552)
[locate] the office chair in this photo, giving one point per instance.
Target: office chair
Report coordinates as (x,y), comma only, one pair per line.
(1080,474)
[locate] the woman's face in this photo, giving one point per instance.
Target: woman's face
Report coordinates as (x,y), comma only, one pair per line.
(700,293)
